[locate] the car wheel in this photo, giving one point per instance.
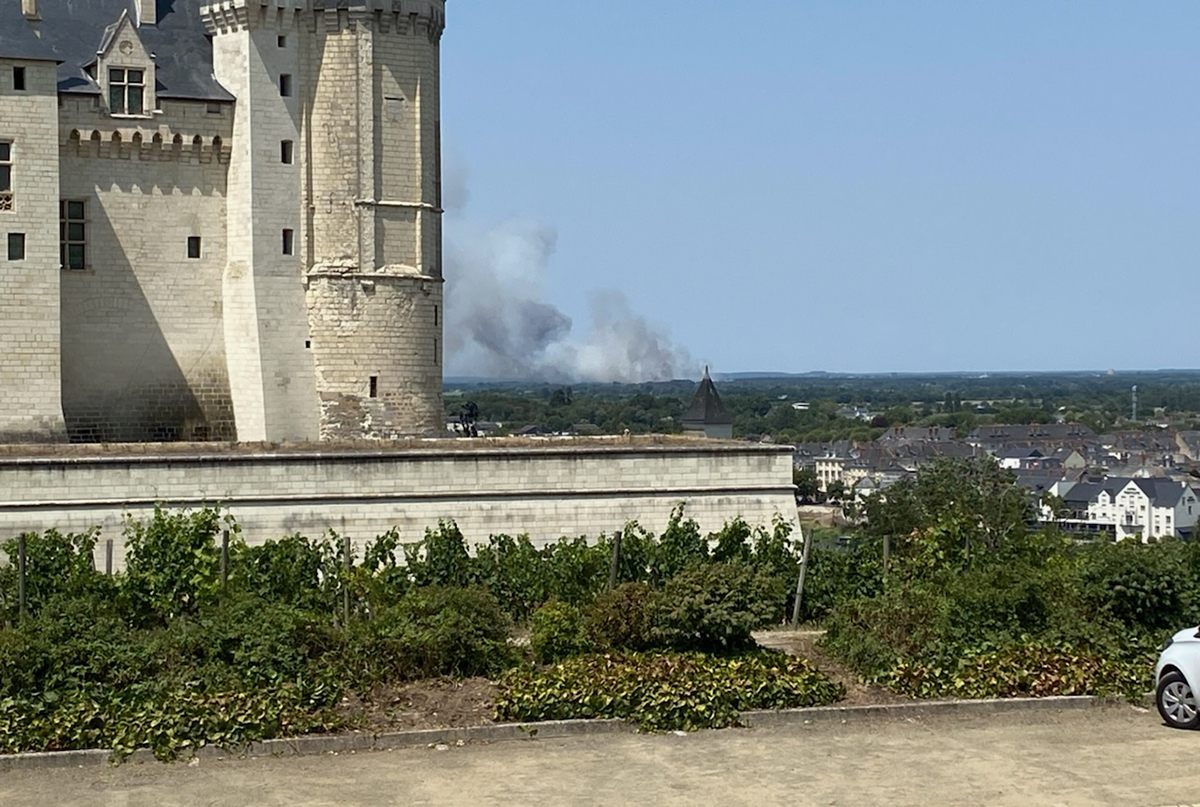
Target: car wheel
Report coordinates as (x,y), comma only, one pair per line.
(1177,703)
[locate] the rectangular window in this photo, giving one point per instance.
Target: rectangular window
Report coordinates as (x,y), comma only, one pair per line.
(212,108)
(289,242)
(16,246)
(193,246)
(281,41)
(72,234)
(126,91)
(19,79)
(285,85)
(6,168)
(286,152)
(374,391)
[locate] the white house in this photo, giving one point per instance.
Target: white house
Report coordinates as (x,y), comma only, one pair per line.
(1148,508)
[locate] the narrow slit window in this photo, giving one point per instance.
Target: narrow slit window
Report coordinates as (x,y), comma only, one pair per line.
(6,171)
(435,316)
(193,246)
(289,242)
(374,390)
(287,151)
(19,79)
(16,246)
(435,355)
(285,85)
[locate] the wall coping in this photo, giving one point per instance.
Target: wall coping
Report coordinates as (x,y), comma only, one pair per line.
(414,450)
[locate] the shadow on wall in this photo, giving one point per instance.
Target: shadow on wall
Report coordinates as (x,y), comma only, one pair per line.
(120,379)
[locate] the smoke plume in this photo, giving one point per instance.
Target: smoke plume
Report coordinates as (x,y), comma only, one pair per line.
(498,324)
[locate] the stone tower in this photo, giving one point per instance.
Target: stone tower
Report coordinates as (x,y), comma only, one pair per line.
(30,371)
(333,284)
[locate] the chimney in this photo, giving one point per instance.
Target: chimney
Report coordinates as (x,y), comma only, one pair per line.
(147,11)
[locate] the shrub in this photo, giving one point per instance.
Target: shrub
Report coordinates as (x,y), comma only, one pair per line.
(663,691)
(557,632)
(167,720)
(680,546)
(577,570)
(638,550)
(73,642)
(379,580)
(246,643)
(440,559)
(714,607)
(837,575)
(56,565)
(622,619)
(1145,587)
(1024,670)
(172,563)
(294,570)
(433,631)
(512,569)
(732,542)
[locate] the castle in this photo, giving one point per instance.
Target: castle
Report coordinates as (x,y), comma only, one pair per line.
(221,220)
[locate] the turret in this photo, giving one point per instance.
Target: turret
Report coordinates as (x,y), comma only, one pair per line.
(334,289)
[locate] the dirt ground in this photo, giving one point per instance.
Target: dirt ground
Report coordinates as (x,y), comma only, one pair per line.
(805,643)
(1115,755)
(452,704)
(440,703)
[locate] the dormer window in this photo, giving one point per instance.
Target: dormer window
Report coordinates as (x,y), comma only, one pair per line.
(126,91)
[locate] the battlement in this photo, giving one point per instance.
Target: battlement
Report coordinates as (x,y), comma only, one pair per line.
(123,144)
(426,17)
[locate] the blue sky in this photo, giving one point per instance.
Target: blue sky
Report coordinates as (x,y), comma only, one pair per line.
(848,186)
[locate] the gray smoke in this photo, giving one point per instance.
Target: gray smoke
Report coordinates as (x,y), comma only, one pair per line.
(499,326)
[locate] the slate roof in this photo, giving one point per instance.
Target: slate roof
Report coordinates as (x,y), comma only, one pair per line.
(1161,491)
(17,39)
(706,406)
(1035,431)
(74,30)
(1082,493)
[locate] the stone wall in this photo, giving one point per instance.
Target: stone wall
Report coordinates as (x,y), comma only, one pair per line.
(546,489)
(143,348)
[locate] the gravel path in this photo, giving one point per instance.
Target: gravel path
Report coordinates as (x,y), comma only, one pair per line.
(1116,755)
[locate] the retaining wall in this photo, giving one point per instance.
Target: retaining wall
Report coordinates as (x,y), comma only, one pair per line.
(546,489)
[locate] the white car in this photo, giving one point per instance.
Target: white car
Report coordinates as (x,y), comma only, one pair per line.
(1177,679)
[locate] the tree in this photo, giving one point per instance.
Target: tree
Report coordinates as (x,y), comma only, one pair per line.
(1057,506)
(807,486)
(953,507)
(836,490)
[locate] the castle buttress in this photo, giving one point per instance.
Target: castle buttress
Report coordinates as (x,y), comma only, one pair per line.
(249,219)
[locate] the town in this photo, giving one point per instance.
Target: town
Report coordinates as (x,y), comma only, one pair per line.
(1095,470)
